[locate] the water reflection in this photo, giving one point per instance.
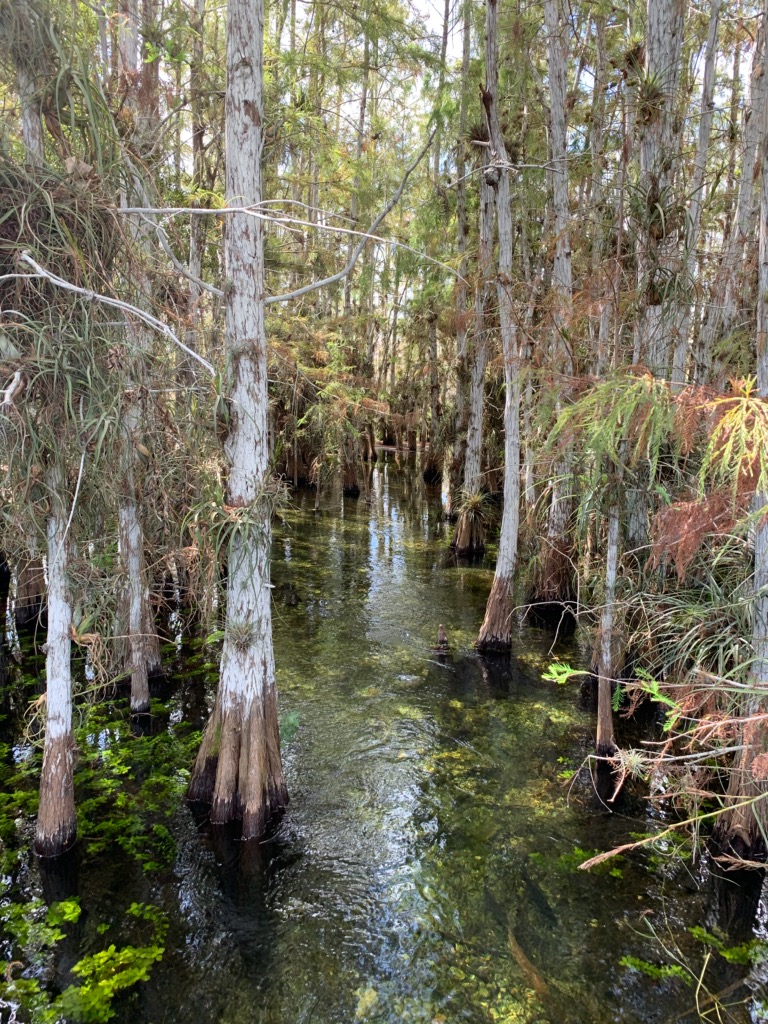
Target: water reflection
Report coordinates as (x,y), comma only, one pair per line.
(426,868)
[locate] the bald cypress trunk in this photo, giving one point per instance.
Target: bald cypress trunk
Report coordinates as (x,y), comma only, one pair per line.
(658,225)
(554,578)
(469,537)
(724,307)
(462,315)
(141,643)
(238,768)
(496,630)
(56,819)
(607,665)
(743,828)
(693,223)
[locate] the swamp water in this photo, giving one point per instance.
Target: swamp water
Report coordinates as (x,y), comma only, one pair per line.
(426,870)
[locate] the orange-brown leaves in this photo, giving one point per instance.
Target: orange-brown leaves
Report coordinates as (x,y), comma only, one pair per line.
(680,530)
(690,414)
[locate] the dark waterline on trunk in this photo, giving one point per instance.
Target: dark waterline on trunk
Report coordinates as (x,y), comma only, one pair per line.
(426,867)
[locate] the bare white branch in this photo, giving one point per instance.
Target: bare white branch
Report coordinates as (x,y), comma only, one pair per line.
(258,214)
(365,237)
(107,300)
(178,266)
(17,383)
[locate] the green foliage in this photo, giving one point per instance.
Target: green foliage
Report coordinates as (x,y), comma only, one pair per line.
(745,953)
(736,456)
(658,973)
(622,426)
(289,726)
(128,791)
(102,976)
(561,673)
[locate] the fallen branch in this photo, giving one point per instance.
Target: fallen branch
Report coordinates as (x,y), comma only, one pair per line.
(607,854)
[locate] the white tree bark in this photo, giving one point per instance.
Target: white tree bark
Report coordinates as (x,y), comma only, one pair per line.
(658,254)
(56,819)
(238,768)
(728,287)
(31,118)
(562,271)
(693,224)
(743,828)
(496,630)
(554,579)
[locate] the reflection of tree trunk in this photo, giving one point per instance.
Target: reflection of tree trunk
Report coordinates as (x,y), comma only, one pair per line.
(496,631)
(56,819)
(238,768)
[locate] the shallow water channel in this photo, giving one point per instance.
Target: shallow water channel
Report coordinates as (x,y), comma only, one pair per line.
(426,870)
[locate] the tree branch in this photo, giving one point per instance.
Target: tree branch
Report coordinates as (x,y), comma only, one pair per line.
(106,300)
(326,281)
(17,383)
(178,266)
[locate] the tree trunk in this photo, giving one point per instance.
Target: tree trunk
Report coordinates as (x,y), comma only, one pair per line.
(723,311)
(469,537)
(742,829)
(473,464)
(30,588)
(496,630)
(693,223)
(658,249)
(353,205)
(56,819)
(238,768)
(462,381)
(31,118)
(432,470)
(554,578)
(142,645)
(607,666)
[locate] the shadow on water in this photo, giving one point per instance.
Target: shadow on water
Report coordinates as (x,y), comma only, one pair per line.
(426,869)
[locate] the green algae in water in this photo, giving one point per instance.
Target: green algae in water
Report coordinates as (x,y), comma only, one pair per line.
(428,853)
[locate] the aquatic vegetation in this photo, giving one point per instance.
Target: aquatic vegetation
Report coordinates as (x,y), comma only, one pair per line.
(35,932)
